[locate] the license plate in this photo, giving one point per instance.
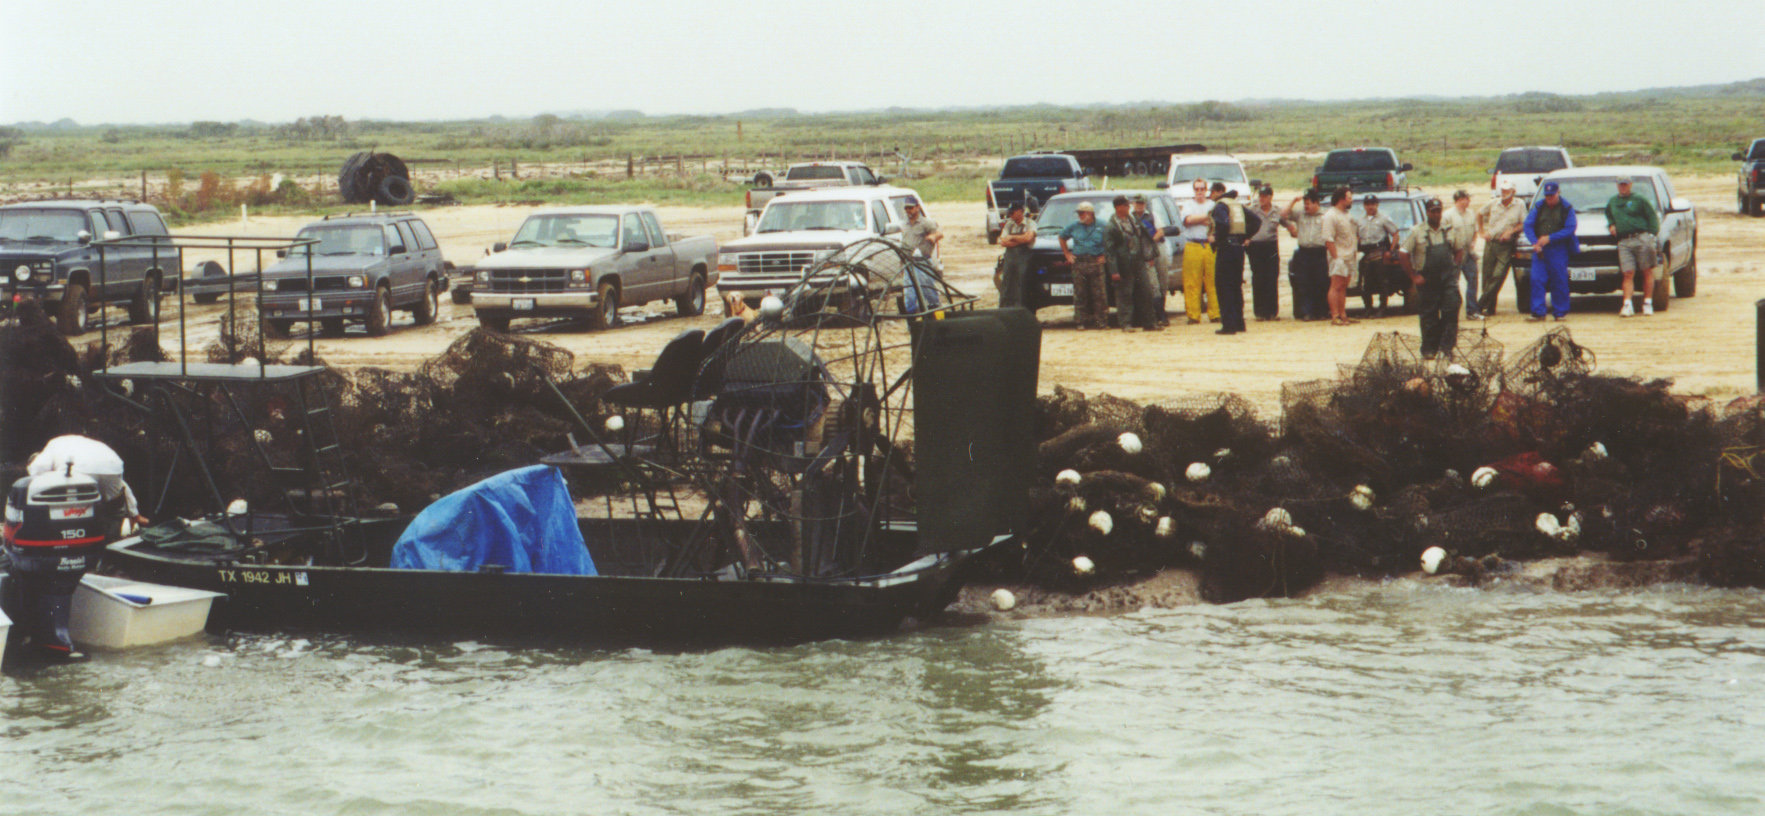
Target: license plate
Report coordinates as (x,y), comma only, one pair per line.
(1060,289)
(306,305)
(522,304)
(1582,274)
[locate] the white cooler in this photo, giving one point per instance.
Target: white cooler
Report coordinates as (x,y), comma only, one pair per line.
(110,613)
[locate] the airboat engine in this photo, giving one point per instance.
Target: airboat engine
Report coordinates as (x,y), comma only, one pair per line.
(53,535)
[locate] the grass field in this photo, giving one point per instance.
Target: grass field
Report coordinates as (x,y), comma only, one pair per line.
(683,159)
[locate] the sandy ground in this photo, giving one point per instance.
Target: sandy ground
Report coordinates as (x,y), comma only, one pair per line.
(1705,343)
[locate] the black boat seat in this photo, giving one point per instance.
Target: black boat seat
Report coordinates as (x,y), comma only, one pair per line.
(669,382)
(720,336)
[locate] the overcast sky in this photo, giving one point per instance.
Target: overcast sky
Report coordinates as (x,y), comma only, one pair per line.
(117,61)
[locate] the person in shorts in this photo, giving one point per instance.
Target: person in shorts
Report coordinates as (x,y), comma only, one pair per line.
(1633,220)
(1341,241)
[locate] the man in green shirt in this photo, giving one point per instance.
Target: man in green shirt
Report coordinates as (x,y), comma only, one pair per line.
(1633,220)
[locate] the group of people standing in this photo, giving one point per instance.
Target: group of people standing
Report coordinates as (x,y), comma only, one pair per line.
(1335,246)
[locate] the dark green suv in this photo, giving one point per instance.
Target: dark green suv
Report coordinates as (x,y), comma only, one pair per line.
(47,254)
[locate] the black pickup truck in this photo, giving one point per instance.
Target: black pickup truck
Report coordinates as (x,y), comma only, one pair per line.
(1031,180)
(1360,169)
(1750,194)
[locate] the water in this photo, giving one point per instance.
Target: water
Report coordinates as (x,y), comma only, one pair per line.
(1397,700)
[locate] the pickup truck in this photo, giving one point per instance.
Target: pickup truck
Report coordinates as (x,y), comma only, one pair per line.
(1360,169)
(47,254)
(360,267)
(1594,270)
(1209,168)
(1750,194)
(591,261)
(810,176)
(1031,180)
(1525,166)
(801,230)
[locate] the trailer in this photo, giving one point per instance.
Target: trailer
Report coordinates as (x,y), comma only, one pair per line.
(1130,161)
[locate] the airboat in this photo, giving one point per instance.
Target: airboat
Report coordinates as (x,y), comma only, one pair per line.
(828,468)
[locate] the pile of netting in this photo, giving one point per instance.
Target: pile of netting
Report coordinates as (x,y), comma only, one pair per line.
(1491,458)
(481,407)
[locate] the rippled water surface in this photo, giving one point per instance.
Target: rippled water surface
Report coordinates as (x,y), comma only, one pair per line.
(1397,700)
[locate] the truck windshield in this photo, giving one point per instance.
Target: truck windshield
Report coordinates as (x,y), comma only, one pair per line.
(352,239)
(1591,194)
(1038,167)
(816,173)
(787,216)
(41,225)
(1398,210)
(1208,172)
(1529,161)
(1348,161)
(1757,152)
(564,229)
(1059,213)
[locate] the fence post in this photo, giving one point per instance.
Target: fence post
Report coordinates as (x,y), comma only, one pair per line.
(1759,355)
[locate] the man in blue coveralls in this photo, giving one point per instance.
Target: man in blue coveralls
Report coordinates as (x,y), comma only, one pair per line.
(1550,228)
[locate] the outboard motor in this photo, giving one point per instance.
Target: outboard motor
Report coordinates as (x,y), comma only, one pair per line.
(54,533)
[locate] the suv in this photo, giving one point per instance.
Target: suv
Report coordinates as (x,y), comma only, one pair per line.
(361,267)
(1525,166)
(47,254)
(1750,194)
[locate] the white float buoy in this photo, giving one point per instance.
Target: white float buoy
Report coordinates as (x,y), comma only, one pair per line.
(1571,528)
(262,436)
(1222,454)
(1456,370)
(1198,549)
(1129,442)
(1598,449)
(1431,560)
(1157,490)
(771,308)
(615,423)
(1361,498)
(1276,519)
(1101,522)
(1167,527)
(1076,504)
(1068,478)
(238,507)
(1198,472)
(1083,565)
(1296,531)
(1483,477)
(1548,525)
(1147,513)
(1003,600)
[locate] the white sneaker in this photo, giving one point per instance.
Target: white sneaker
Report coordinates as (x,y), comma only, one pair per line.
(1648,306)
(1627,310)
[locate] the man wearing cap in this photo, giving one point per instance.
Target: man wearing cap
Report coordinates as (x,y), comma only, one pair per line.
(1159,267)
(1233,224)
(1340,242)
(1378,236)
(1129,249)
(1633,220)
(1198,255)
(1082,242)
(1550,229)
(1498,224)
(1429,257)
(1018,238)
(1461,224)
(1264,255)
(921,234)
(1309,269)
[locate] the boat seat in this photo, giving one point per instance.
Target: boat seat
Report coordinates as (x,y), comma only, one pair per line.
(668,382)
(720,336)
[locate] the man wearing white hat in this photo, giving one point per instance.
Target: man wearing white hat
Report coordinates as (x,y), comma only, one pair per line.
(1498,224)
(91,458)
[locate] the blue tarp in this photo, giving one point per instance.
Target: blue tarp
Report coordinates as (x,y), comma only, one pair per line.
(522,520)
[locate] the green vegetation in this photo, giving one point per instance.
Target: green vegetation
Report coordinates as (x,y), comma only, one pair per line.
(684,159)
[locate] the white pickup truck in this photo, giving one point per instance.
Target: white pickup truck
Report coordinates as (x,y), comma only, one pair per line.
(810,176)
(800,230)
(591,261)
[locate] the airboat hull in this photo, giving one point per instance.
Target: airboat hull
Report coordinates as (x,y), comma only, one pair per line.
(604,610)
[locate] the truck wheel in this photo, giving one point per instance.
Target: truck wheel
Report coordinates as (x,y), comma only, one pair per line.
(144,307)
(72,318)
(395,191)
(992,237)
(1661,293)
(347,188)
(331,327)
(607,316)
(1685,281)
(1741,204)
(429,306)
(1522,290)
(762,179)
(278,327)
(692,304)
(380,313)
(494,322)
